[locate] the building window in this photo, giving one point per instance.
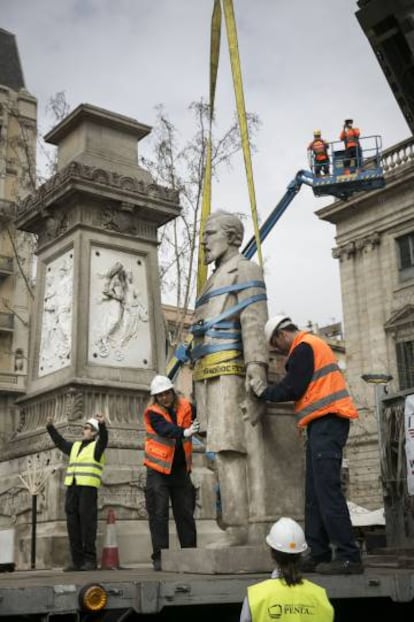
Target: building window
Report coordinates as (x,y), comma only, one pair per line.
(405,364)
(405,245)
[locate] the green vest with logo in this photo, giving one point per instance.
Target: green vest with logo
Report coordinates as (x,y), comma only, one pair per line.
(273,600)
(83,467)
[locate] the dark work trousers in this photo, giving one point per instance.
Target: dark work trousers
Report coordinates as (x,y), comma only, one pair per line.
(353,157)
(81,509)
(178,487)
(327,519)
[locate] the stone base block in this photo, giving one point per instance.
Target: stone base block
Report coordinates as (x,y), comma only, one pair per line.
(231,560)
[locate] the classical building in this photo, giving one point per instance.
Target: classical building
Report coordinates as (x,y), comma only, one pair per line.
(389,27)
(18,113)
(375,248)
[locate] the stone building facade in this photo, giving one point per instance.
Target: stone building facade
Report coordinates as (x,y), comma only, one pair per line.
(375,248)
(18,114)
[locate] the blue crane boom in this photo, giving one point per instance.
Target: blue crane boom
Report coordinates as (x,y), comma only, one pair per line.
(301,177)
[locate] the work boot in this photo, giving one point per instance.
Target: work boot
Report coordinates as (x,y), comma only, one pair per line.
(88,566)
(308,563)
(71,568)
(156,564)
(340,566)
(233,536)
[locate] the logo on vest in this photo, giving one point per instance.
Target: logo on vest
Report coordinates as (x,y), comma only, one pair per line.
(276,611)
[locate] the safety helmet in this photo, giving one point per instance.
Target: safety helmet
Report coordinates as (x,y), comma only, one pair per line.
(317,132)
(159,384)
(93,423)
(278,321)
(287,536)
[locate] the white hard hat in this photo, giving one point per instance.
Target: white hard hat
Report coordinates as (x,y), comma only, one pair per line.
(287,536)
(274,323)
(93,423)
(159,384)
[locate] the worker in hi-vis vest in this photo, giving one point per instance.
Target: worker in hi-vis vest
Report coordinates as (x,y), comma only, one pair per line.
(169,423)
(286,595)
(83,478)
(353,152)
(324,408)
(319,150)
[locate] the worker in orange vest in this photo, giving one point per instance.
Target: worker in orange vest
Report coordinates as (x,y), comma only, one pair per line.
(353,153)
(324,408)
(169,423)
(320,157)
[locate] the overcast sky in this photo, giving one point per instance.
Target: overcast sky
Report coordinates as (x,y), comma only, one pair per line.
(305,64)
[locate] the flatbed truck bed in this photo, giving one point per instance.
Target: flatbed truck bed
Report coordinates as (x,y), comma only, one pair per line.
(49,594)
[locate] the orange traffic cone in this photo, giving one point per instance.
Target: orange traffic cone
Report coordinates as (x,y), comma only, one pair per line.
(110,555)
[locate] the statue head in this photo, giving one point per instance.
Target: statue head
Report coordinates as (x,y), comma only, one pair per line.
(222,237)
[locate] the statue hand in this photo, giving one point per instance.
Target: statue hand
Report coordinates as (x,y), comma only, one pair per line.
(256,378)
(257,386)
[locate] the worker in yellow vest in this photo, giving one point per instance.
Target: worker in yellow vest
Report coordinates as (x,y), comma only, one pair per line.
(324,408)
(286,595)
(169,423)
(83,478)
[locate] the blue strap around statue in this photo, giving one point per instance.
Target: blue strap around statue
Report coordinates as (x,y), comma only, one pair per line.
(237,287)
(218,334)
(211,348)
(203,326)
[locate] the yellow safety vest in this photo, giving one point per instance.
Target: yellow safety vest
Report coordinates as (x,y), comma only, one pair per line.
(84,467)
(273,600)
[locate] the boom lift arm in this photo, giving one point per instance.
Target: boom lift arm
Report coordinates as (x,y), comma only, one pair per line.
(301,177)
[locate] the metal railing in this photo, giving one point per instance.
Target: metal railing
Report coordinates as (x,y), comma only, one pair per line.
(398,504)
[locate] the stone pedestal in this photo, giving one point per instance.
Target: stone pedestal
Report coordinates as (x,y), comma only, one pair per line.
(97,330)
(233,560)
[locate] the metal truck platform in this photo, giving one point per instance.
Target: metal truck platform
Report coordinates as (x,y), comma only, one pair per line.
(143,591)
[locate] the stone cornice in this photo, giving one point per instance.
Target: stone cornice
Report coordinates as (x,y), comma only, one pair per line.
(103,184)
(398,167)
(354,247)
(87,112)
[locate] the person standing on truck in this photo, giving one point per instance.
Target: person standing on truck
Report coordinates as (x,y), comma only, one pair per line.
(353,153)
(286,595)
(83,478)
(323,407)
(319,149)
(169,425)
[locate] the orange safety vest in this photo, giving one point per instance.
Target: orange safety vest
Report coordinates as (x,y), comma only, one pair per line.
(327,392)
(350,136)
(159,450)
(320,149)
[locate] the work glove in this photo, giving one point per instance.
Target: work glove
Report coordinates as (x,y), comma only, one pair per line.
(257,386)
(193,429)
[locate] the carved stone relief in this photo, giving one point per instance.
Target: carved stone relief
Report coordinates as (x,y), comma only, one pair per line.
(119,327)
(56,329)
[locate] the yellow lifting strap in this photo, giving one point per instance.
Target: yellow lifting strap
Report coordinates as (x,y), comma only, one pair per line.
(244,134)
(241,113)
(206,199)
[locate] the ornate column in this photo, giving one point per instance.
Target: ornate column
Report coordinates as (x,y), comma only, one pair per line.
(97,333)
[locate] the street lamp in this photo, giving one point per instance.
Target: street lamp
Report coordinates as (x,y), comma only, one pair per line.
(379,381)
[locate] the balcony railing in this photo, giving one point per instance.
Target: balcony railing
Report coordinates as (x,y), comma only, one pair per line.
(398,155)
(12,382)
(6,265)
(6,322)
